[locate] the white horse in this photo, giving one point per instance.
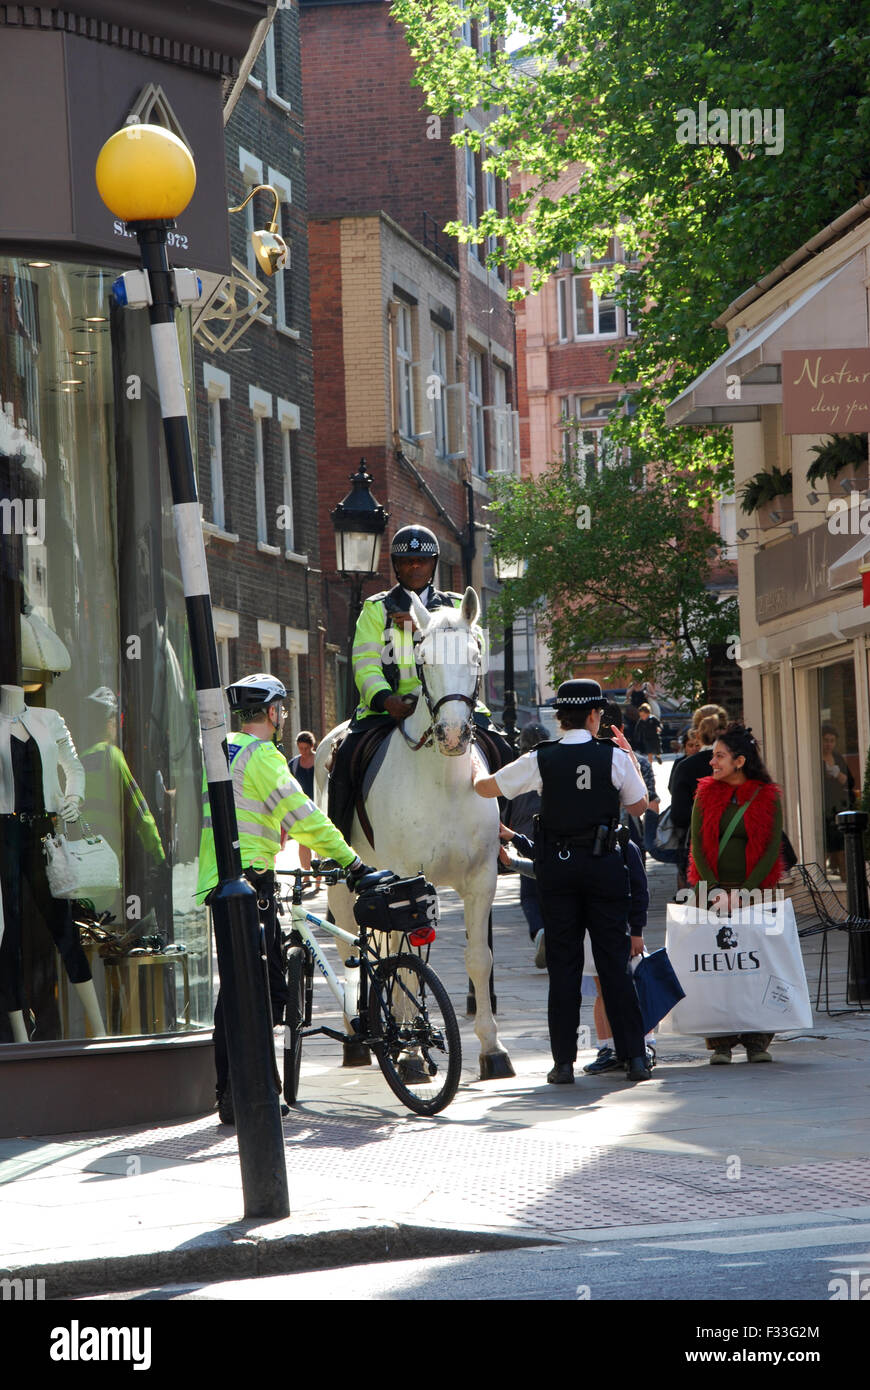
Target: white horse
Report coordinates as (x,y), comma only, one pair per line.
(424,812)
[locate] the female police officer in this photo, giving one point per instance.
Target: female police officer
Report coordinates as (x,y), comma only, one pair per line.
(580,869)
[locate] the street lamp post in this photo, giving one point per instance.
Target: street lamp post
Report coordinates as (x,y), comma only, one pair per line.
(506,569)
(146,177)
(359,521)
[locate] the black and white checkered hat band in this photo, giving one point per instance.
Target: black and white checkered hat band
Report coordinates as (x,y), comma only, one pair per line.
(414,547)
(596,700)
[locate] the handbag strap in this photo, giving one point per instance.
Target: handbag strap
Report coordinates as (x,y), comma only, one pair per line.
(733,826)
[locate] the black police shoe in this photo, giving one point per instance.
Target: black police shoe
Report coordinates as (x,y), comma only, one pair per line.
(562,1074)
(636,1069)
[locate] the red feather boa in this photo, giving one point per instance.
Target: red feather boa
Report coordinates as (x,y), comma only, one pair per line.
(758,818)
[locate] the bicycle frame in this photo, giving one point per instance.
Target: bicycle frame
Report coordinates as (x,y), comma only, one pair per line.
(299,922)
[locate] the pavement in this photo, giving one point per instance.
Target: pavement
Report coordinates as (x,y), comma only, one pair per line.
(513,1162)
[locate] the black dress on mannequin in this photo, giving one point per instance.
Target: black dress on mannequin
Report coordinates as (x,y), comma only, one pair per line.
(24,882)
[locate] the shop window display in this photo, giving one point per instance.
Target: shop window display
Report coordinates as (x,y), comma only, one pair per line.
(838,745)
(98,723)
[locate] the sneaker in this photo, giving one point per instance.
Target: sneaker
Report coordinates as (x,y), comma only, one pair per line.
(721,1057)
(650,1056)
(606,1060)
(540,950)
(756,1053)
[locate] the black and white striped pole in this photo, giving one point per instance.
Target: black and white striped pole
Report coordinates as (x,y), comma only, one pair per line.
(146,177)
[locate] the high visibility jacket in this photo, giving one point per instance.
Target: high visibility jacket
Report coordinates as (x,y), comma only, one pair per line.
(383,651)
(268,799)
(111,791)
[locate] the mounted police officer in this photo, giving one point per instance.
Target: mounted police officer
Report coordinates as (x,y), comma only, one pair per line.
(269,801)
(580,869)
(384,664)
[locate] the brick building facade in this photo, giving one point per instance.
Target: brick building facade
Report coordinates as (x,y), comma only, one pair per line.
(255,407)
(414,338)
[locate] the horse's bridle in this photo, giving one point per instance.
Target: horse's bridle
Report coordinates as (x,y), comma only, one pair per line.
(471,700)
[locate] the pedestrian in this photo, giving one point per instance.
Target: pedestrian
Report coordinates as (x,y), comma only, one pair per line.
(583,880)
(302,768)
(520,816)
(268,801)
(686,780)
(648,733)
(611,719)
(736,845)
(839,791)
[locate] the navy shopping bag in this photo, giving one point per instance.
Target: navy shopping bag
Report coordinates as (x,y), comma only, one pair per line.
(657,986)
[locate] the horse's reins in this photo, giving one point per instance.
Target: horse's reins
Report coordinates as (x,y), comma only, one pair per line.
(471,700)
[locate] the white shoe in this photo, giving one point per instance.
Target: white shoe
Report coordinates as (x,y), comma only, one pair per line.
(540,950)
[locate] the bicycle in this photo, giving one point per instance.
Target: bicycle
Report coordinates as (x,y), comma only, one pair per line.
(396,1005)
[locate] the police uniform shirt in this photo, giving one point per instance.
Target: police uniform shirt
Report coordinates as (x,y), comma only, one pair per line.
(523,774)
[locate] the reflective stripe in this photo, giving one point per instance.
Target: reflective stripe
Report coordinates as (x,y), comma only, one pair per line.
(373,683)
(297,813)
(259,832)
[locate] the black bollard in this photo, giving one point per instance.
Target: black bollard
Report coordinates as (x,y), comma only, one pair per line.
(853,824)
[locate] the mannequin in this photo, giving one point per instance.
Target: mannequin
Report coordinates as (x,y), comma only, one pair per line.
(34,744)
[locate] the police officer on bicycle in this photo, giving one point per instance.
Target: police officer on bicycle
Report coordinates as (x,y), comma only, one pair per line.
(580,869)
(268,801)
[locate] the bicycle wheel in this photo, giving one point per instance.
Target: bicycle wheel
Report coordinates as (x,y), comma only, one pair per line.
(294,1019)
(414,1032)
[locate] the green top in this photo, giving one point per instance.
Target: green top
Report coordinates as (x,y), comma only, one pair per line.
(732,864)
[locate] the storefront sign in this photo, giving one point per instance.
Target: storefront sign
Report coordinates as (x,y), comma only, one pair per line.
(793,574)
(826,391)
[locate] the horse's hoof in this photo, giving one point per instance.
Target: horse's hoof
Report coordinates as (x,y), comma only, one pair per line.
(412,1071)
(356,1054)
(495,1066)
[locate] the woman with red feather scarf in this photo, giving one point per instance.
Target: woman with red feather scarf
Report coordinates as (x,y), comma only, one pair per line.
(742,793)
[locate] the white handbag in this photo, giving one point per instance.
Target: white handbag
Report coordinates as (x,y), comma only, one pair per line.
(80,868)
(741,974)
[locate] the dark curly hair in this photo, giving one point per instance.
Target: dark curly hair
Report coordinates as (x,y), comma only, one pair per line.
(741,742)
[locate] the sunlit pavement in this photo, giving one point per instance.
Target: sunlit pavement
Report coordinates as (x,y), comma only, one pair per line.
(514,1158)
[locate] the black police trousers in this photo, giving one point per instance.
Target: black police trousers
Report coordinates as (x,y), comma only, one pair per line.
(580,893)
(264,883)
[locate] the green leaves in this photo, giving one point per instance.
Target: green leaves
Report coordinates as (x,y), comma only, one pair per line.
(609,562)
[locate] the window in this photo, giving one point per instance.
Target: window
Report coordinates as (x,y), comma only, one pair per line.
(226,631)
(503,423)
(475,406)
(217,385)
(471,196)
(261,409)
(404,369)
(296,645)
(274,66)
(491,196)
(465,29)
(282,278)
(581,311)
(288,419)
(268,638)
(584,446)
(439,385)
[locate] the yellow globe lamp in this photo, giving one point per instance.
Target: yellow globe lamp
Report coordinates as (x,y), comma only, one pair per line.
(145,174)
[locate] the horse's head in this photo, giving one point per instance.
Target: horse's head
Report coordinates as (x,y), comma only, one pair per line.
(449,646)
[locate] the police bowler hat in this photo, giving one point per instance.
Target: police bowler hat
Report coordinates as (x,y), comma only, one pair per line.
(579,695)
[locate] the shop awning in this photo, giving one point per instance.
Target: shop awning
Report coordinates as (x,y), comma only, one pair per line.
(844,573)
(749,374)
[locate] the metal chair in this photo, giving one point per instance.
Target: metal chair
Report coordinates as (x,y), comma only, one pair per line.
(819,911)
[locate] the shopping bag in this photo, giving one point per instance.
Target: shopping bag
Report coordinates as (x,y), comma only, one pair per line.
(80,868)
(667,835)
(742,973)
(657,987)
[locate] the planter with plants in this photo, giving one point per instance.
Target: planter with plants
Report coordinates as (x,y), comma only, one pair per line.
(769,495)
(840,458)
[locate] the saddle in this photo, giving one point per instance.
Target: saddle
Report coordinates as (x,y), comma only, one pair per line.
(355,763)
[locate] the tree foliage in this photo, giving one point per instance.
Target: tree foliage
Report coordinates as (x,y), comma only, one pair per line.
(609,563)
(602,91)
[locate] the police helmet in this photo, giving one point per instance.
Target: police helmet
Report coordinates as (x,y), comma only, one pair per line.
(579,694)
(255,692)
(411,541)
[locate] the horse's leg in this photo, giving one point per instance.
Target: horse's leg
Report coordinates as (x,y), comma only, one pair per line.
(354,1054)
(494,1060)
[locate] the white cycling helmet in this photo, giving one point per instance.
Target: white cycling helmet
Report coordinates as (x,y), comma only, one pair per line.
(255,692)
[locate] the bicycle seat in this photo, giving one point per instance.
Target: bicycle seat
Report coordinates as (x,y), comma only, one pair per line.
(377,879)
